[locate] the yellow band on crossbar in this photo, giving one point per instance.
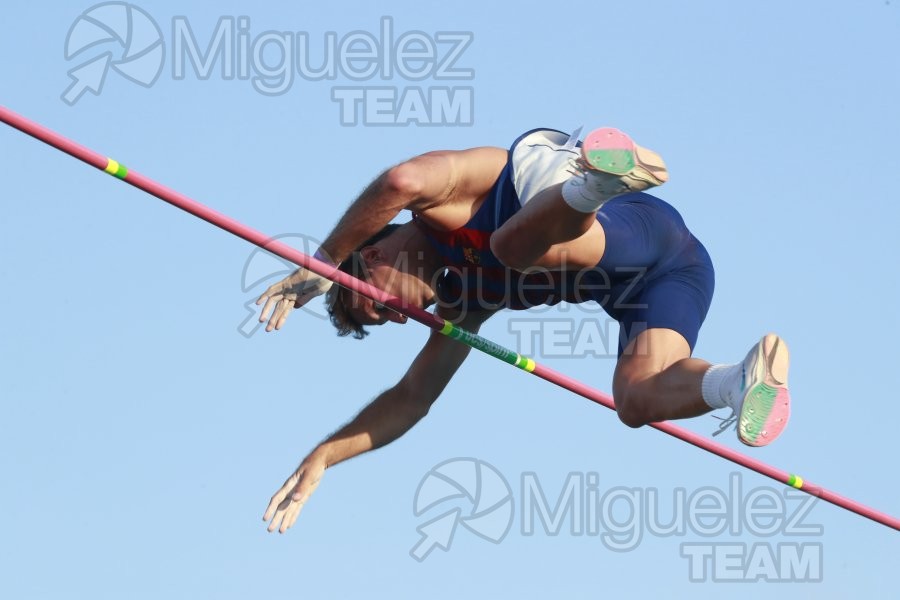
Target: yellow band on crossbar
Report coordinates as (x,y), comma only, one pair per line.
(115,169)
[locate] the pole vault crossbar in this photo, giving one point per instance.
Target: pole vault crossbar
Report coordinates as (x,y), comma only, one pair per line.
(428,319)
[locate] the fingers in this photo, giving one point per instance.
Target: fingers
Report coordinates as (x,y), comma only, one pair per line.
(278,515)
(274,503)
(293,292)
(290,516)
(280,503)
(283,510)
(279,496)
(273,295)
(297,500)
(286,504)
(272,299)
(281,312)
(279,305)
(273,290)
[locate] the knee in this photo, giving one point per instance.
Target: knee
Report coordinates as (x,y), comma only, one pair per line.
(507,251)
(632,403)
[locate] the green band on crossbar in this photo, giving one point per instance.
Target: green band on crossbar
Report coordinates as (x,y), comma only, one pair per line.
(488,347)
(114,168)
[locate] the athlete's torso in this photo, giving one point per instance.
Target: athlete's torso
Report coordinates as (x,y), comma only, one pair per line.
(475,279)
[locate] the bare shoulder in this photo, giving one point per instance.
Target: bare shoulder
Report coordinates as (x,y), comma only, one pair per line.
(455,182)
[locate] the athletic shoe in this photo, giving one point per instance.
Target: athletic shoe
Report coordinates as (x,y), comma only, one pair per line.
(765,403)
(613,164)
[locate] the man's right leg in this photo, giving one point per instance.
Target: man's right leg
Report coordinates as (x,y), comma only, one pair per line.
(559,223)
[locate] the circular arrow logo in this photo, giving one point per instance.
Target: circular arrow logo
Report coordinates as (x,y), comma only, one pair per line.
(130,42)
(264,268)
(491,504)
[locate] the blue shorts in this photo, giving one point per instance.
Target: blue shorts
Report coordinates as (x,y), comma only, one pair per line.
(660,275)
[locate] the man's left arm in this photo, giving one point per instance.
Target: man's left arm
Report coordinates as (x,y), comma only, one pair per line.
(390,415)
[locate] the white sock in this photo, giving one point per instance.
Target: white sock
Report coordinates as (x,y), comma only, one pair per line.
(717,381)
(581,196)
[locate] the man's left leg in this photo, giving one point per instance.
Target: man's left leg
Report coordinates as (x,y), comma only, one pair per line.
(657,380)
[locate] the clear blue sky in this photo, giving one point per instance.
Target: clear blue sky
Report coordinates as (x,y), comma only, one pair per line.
(141,434)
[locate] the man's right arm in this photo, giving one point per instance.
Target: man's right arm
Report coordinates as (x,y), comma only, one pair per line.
(437,185)
(385,419)
(422,184)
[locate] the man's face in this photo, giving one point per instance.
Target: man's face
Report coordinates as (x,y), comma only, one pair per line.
(384,275)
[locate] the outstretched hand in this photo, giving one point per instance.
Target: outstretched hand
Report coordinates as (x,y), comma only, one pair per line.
(286,504)
(292,292)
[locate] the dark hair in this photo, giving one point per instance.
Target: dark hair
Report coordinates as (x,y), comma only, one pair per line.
(355,266)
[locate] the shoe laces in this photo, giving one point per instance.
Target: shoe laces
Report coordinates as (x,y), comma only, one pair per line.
(578,167)
(726,422)
(604,183)
(638,179)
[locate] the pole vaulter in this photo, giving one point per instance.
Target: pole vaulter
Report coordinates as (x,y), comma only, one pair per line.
(428,319)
